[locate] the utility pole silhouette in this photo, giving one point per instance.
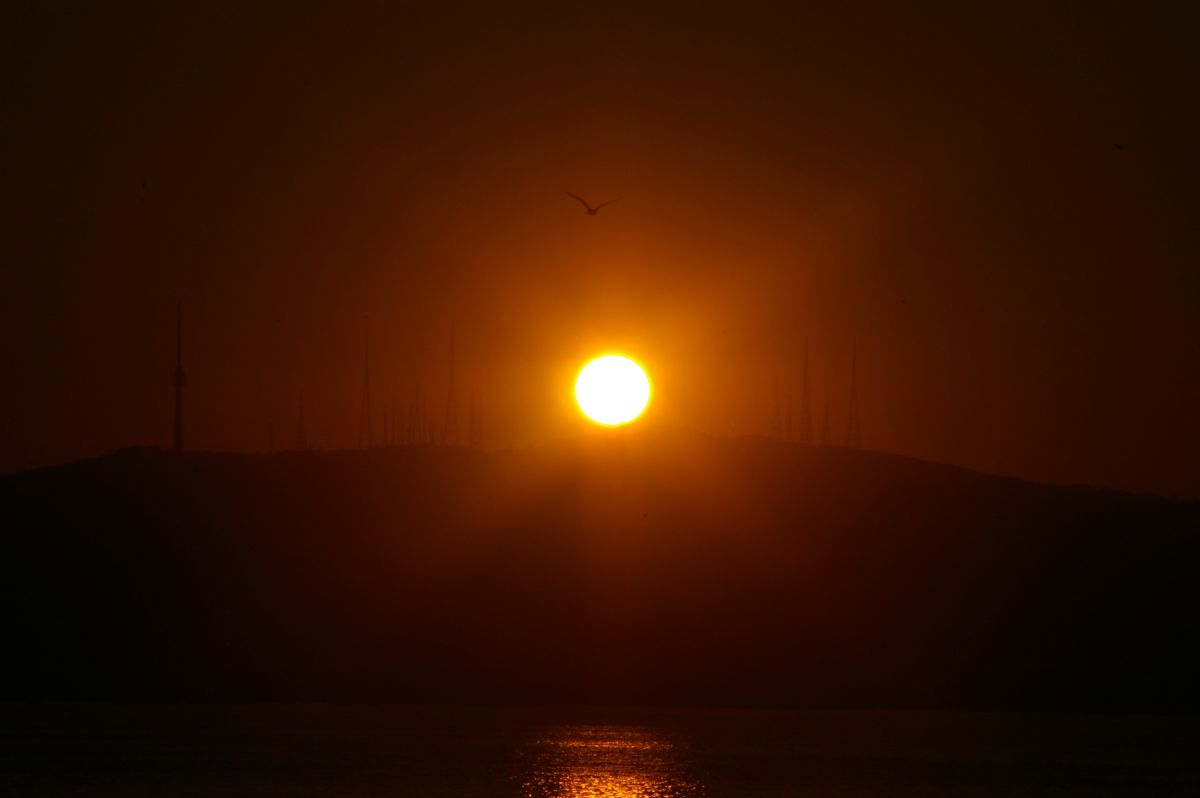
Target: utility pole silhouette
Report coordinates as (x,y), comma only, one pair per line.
(853,431)
(301,432)
(825,427)
(806,429)
(471,419)
(418,424)
(450,426)
(475,421)
(177,442)
(364,420)
(413,432)
(787,427)
(776,418)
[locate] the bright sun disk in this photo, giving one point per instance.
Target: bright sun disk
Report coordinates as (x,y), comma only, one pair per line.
(612,390)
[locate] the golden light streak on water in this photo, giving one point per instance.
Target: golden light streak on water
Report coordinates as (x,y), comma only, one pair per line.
(610,762)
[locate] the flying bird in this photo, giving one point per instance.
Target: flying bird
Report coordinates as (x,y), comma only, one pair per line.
(590,210)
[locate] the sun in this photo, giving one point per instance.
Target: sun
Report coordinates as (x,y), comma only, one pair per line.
(612,390)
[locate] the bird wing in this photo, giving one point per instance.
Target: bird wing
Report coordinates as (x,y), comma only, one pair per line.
(582,201)
(609,202)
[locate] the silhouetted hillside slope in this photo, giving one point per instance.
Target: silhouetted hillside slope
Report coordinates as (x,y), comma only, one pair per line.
(656,567)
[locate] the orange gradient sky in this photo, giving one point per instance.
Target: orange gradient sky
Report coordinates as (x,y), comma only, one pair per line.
(940,186)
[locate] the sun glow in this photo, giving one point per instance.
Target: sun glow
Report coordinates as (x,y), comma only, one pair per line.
(612,390)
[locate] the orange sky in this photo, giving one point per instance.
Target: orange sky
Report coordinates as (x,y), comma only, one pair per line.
(940,185)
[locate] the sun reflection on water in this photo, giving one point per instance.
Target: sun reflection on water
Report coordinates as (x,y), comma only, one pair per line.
(610,762)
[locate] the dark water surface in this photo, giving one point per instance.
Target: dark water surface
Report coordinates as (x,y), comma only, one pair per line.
(324,750)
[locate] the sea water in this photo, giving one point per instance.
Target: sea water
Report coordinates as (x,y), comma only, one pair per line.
(326,750)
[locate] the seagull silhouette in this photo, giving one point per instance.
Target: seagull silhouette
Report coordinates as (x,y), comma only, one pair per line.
(590,210)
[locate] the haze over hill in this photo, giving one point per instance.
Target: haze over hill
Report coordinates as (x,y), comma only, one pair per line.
(653,566)
(936,182)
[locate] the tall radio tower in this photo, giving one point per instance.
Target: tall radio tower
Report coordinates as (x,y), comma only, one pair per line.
(364,419)
(777,415)
(853,431)
(475,421)
(787,418)
(825,427)
(806,429)
(450,427)
(177,443)
(301,431)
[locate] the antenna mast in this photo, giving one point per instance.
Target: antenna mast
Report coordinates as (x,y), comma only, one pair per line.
(475,421)
(177,443)
(787,416)
(450,426)
(364,420)
(853,431)
(776,418)
(301,432)
(806,429)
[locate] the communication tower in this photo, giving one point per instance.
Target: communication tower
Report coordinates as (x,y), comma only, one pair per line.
(450,425)
(364,419)
(177,443)
(853,429)
(806,429)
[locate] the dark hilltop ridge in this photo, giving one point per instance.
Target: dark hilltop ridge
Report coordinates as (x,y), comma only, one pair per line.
(657,567)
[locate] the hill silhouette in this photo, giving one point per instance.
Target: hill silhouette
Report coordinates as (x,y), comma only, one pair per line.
(656,567)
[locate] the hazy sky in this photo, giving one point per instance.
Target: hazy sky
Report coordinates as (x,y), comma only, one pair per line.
(939,183)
